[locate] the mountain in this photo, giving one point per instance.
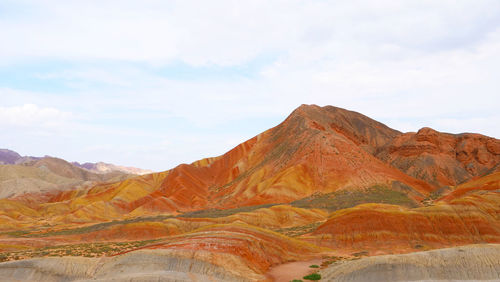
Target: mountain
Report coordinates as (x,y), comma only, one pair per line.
(101,167)
(323,186)
(19,175)
(8,156)
(47,174)
(315,150)
(315,155)
(11,157)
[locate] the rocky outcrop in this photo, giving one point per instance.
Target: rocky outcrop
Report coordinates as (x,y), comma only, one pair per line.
(468,263)
(442,159)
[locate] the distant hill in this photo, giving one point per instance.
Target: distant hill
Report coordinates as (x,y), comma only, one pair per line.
(8,156)
(101,167)
(20,174)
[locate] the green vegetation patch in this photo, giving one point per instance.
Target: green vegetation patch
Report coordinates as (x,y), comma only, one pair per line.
(348,199)
(328,260)
(314,276)
(208,213)
(83,249)
(360,254)
(89,228)
(214,213)
(17,233)
(299,230)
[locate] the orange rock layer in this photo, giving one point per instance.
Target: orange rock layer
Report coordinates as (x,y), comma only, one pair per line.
(467,215)
(442,159)
(258,248)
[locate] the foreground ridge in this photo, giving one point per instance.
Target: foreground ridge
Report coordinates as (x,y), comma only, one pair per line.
(468,263)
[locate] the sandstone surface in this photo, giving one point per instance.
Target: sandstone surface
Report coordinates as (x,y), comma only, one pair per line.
(468,263)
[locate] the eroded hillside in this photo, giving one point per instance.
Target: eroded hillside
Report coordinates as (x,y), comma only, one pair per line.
(326,184)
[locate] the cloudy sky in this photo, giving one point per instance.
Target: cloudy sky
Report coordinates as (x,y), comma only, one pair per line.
(156,83)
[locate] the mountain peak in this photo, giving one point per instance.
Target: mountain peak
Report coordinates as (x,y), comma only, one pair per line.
(8,156)
(304,109)
(356,127)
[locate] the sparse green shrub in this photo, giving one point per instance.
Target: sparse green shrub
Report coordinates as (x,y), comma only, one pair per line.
(359,254)
(314,276)
(347,199)
(314,266)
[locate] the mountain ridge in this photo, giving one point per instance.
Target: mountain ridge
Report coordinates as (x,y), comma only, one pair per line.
(9,157)
(326,184)
(314,150)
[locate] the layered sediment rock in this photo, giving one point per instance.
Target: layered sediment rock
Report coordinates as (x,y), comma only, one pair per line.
(442,159)
(380,228)
(144,265)
(468,263)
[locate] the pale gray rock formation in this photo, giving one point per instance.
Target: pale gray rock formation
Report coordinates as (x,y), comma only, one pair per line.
(143,265)
(466,263)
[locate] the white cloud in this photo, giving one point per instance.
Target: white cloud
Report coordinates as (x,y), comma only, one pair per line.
(234,32)
(30,115)
(406,63)
(487,125)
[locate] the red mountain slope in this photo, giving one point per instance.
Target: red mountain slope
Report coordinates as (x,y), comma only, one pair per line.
(442,159)
(314,150)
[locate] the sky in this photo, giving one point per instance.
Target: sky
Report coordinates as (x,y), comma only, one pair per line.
(153,84)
